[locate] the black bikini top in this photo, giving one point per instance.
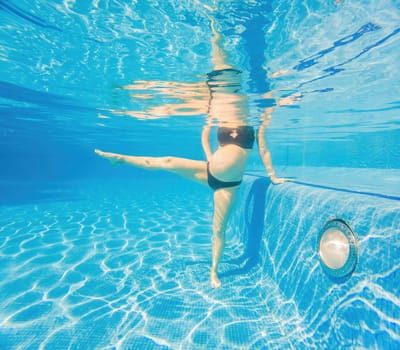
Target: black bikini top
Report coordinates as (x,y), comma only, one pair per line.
(242,136)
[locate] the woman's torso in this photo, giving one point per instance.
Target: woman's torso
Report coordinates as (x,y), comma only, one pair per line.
(228,110)
(235,144)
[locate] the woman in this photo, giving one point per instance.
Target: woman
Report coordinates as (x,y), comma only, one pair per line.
(223,170)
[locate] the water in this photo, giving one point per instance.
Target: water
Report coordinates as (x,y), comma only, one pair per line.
(81,275)
(97,256)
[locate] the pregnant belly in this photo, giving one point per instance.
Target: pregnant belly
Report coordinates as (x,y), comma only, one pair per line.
(229,162)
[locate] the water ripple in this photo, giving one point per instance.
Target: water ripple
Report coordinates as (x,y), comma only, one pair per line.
(82,275)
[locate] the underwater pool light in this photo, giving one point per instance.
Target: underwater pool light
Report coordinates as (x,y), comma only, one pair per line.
(337,248)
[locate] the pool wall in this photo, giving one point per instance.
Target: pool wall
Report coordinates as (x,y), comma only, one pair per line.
(280,225)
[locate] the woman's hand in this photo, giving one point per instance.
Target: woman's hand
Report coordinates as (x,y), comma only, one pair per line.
(277,180)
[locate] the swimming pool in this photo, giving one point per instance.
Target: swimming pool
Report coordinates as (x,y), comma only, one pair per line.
(94,256)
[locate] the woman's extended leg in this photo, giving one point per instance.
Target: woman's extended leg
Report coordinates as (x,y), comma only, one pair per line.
(224,199)
(190,169)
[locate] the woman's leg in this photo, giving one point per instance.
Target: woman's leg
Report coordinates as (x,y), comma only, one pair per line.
(224,199)
(195,170)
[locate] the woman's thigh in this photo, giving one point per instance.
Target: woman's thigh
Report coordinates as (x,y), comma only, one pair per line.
(195,170)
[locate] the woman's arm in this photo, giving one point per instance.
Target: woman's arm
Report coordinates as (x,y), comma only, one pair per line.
(263,150)
(205,141)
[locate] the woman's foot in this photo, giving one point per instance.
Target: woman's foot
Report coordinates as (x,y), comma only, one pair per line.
(215,282)
(114,158)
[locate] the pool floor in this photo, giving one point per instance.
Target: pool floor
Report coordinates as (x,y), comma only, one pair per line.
(110,266)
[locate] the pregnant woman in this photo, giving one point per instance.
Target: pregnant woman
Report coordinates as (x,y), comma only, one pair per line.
(227,109)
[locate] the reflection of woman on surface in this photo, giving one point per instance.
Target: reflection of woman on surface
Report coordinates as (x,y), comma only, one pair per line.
(223,170)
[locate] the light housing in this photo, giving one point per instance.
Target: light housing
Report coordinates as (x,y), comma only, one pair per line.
(338,249)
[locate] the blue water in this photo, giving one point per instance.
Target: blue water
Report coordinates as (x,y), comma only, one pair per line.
(94,256)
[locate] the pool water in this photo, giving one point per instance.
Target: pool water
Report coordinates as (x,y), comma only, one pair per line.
(95,256)
(117,268)
(125,265)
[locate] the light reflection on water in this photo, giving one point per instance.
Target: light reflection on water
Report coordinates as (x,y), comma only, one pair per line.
(93,48)
(164,99)
(67,64)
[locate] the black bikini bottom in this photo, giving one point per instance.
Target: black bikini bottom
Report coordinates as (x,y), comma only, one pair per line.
(216,184)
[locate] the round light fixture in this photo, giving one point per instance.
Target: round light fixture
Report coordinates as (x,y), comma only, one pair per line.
(338,249)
